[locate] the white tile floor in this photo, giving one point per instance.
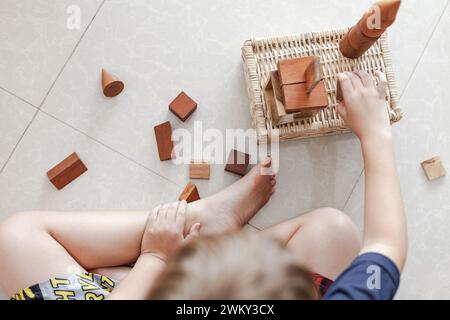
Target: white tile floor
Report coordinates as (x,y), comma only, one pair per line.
(51,104)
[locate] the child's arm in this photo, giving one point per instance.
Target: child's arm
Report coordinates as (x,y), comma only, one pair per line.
(162,237)
(364,110)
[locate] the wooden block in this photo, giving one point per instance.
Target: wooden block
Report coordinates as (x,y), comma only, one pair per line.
(339,94)
(163,134)
(199,170)
(359,41)
(237,162)
(388,12)
(278,113)
(313,74)
(111,85)
(293,70)
(190,193)
(66,171)
(296,98)
(366,27)
(347,50)
(183,106)
(434,168)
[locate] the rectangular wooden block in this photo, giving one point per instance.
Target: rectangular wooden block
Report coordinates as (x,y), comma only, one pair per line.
(199,170)
(292,71)
(296,98)
(183,106)
(238,162)
(313,74)
(190,193)
(163,135)
(434,168)
(66,171)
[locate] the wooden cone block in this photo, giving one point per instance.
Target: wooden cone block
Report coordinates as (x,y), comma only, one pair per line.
(190,193)
(111,85)
(66,171)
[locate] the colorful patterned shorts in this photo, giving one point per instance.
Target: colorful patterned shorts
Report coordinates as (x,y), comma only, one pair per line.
(90,286)
(83,286)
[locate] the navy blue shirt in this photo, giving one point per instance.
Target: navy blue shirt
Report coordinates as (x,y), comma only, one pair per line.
(371,276)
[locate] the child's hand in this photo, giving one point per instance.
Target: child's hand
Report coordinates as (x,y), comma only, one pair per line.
(364,107)
(163,234)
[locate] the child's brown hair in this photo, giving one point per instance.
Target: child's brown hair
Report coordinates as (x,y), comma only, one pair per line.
(232,267)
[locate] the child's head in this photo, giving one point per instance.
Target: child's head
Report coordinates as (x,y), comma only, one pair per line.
(232,267)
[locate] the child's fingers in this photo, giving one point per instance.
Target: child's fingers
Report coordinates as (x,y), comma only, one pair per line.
(345,83)
(356,81)
(341,110)
(382,83)
(172,213)
(180,219)
(365,78)
(153,216)
(194,232)
(162,213)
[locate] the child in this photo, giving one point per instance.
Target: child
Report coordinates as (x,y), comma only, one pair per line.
(252,267)
(93,250)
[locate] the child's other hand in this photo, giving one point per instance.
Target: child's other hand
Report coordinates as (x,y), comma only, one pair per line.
(163,234)
(364,107)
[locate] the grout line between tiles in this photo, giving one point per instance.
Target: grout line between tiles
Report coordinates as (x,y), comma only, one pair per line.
(109,148)
(17,144)
(353,189)
(71,54)
(424,50)
(16,96)
(50,89)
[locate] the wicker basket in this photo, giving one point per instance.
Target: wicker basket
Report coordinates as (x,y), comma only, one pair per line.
(261,56)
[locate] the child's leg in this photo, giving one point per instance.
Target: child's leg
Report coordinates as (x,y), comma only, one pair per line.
(35,246)
(325,240)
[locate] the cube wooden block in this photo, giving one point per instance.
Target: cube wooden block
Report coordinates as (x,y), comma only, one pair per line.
(313,74)
(199,170)
(66,171)
(434,168)
(237,162)
(190,193)
(292,71)
(183,106)
(163,135)
(297,99)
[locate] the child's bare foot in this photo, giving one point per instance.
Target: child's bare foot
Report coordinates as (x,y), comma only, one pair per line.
(234,206)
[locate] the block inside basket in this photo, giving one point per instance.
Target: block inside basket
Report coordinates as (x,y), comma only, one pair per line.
(262,55)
